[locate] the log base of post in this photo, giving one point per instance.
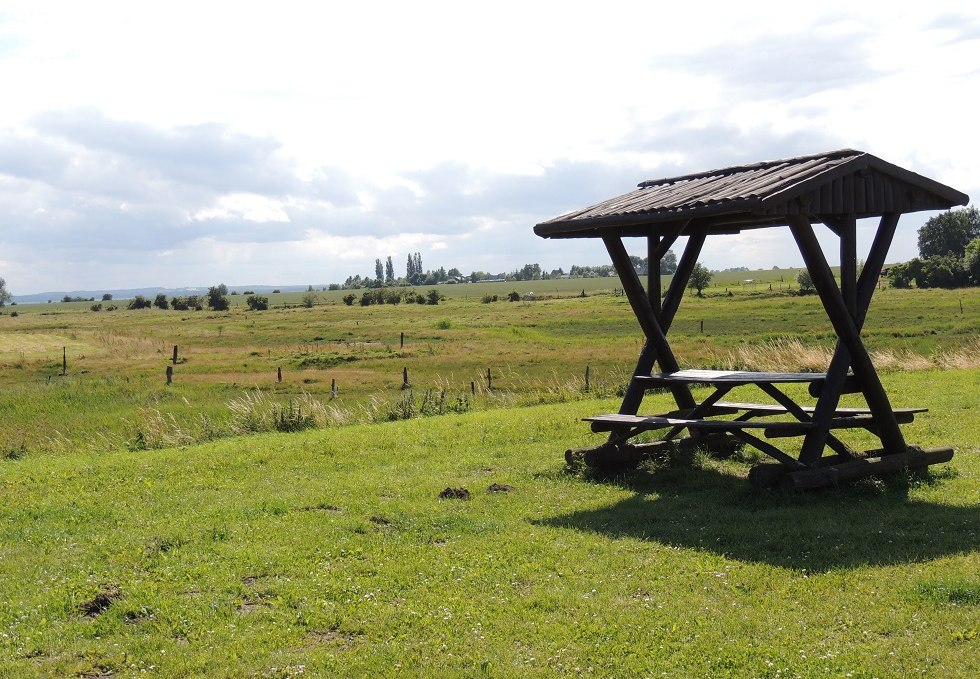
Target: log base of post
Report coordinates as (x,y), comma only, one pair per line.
(623,455)
(833,471)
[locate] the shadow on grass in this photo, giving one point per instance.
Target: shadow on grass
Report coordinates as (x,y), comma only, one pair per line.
(868,523)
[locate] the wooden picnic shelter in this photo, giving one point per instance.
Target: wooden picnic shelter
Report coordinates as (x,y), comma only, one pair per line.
(835,189)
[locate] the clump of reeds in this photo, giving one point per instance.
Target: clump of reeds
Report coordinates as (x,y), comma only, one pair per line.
(254,412)
(966,357)
(155,429)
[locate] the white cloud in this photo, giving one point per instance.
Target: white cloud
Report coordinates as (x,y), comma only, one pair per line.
(355,130)
(250,207)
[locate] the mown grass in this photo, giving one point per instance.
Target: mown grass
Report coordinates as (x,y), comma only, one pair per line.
(330,553)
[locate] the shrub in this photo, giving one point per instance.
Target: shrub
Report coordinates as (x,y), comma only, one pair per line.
(97,307)
(512,297)
(139,302)
(217,299)
(257,303)
(349,299)
(806,282)
(160,301)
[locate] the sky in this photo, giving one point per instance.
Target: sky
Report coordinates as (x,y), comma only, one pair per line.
(191,143)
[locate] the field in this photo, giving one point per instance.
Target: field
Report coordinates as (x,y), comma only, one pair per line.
(192,529)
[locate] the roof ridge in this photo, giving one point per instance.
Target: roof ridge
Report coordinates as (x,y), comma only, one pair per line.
(735,169)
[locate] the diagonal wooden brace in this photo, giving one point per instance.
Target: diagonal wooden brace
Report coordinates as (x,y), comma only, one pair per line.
(645,315)
(850,336)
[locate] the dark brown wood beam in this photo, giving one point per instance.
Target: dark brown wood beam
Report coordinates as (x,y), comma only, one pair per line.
(815,441)
(645,315)
(849,334)
(675,293)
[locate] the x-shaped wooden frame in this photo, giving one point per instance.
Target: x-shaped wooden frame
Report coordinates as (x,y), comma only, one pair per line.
(846,307)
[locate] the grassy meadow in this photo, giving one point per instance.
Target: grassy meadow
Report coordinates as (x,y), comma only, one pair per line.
(193,529)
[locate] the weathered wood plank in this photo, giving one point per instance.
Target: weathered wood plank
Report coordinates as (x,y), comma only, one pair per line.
(733,377)
(613,422)
(913,458)
(770,408)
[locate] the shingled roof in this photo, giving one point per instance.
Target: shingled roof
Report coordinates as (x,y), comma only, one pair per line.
(838,183)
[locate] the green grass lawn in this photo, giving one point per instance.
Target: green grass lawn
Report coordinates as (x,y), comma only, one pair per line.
(330,553)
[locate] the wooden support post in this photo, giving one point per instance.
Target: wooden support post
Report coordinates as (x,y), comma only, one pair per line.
(672,300)
(814,442)
(170,374)
(175,355)
(653,273)
(849,334)
(645,315)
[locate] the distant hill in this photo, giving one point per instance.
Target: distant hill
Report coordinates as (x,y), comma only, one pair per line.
(151,292)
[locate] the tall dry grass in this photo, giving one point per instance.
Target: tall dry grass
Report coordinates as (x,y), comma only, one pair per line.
(791,355)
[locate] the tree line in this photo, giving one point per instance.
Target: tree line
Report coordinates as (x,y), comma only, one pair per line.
(949,253)
(384,273)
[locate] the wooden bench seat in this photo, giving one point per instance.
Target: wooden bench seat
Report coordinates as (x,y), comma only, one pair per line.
(615,422)
(775,408)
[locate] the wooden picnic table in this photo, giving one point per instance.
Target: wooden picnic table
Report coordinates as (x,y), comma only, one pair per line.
(835,189)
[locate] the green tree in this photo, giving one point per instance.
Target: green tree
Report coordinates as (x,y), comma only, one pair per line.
(379,270)
(700,277)
(971,260)
(433,297)
(806,283)
(668,265)
(944,271)
(139,302)
(160,301)
(217,299)
(389,272)
(949,233)
(5,296)
(257,303)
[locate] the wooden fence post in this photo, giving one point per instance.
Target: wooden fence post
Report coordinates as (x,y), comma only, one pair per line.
(175,355)
(170,374)
(401,342)
(473,389)
(587,379)
(405,378)
(279,375)
(489,380)
(64,361)
(333,388)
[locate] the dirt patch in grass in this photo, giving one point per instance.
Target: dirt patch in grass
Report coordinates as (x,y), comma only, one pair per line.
(100,602)
(454,494)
